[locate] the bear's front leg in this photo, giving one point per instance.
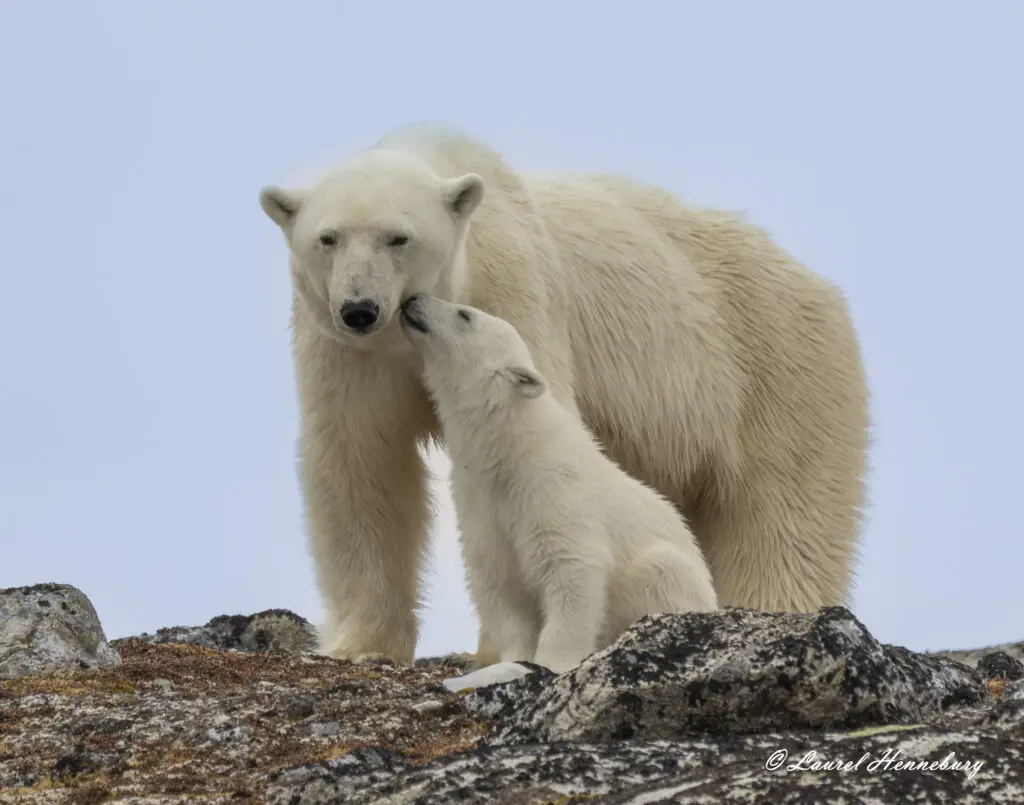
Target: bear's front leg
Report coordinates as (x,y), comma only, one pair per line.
(366,495)
(368,517)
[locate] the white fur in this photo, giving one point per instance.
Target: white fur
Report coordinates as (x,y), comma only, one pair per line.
(563,549)
(708,362)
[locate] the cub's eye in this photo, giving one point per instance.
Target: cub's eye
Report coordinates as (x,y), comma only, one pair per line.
(327,239)
(398,240)
(464,315)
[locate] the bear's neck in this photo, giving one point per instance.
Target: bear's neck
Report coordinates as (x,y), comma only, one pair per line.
(454,285)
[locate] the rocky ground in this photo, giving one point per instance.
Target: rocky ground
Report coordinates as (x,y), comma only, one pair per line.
(731,707)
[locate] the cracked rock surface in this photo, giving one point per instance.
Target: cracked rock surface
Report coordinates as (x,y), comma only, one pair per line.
(728,707)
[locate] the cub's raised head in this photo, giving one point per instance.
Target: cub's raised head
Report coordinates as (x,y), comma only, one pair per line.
(381,227)
(469,355)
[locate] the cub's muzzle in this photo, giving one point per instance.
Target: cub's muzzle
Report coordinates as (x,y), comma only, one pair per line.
(413,316)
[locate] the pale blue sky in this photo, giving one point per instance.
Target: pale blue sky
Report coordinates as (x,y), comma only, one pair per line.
(147,406)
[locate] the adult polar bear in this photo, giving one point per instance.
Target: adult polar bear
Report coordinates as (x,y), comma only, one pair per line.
(707,361)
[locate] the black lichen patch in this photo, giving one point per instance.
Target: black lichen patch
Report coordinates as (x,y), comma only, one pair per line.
(35,589)
(1000,665)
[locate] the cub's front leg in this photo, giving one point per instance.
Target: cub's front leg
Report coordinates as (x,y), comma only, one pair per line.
(573,600)
(508,612)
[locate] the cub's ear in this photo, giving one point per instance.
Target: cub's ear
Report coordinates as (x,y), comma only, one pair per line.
(526,382)
(281,205)
(463,195)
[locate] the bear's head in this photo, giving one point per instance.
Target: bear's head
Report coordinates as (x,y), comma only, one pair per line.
(469,356)
(380,228)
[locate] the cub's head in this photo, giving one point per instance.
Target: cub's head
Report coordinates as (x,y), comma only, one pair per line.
(379,229)
(468,355)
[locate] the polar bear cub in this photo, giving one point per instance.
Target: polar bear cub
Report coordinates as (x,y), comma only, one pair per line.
(563,549)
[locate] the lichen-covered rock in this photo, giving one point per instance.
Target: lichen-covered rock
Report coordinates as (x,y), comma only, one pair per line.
(1009,707)
(945,767)
(924,766)
(188,722)
(506,775)
(1000,665)
(273,630)
(972,657)
(730,671)
(50,628)
(459,661)
(335,780)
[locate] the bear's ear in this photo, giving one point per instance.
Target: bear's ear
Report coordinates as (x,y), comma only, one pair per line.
(463,195)
(526,382)
(281,205)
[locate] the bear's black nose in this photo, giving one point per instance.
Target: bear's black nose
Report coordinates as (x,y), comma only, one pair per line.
(360,315)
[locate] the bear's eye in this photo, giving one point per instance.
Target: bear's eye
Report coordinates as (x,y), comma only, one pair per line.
(328,239)
(397,240)
(464,315)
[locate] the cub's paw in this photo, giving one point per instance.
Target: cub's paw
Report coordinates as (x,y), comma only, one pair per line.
(556,662)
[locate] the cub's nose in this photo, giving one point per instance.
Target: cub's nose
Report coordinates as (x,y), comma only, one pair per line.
(360,315)
(413,301)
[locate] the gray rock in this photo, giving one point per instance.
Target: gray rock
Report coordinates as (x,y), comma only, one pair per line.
(1009,708)
(273,630)
(183,723)
(774,767)
(1000,665)
(325,729)
(529,774)
(462,662)
(50,628)
(973,656)
(729,671)
(336,780)
(748,708)
(82,761)
(975,768)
